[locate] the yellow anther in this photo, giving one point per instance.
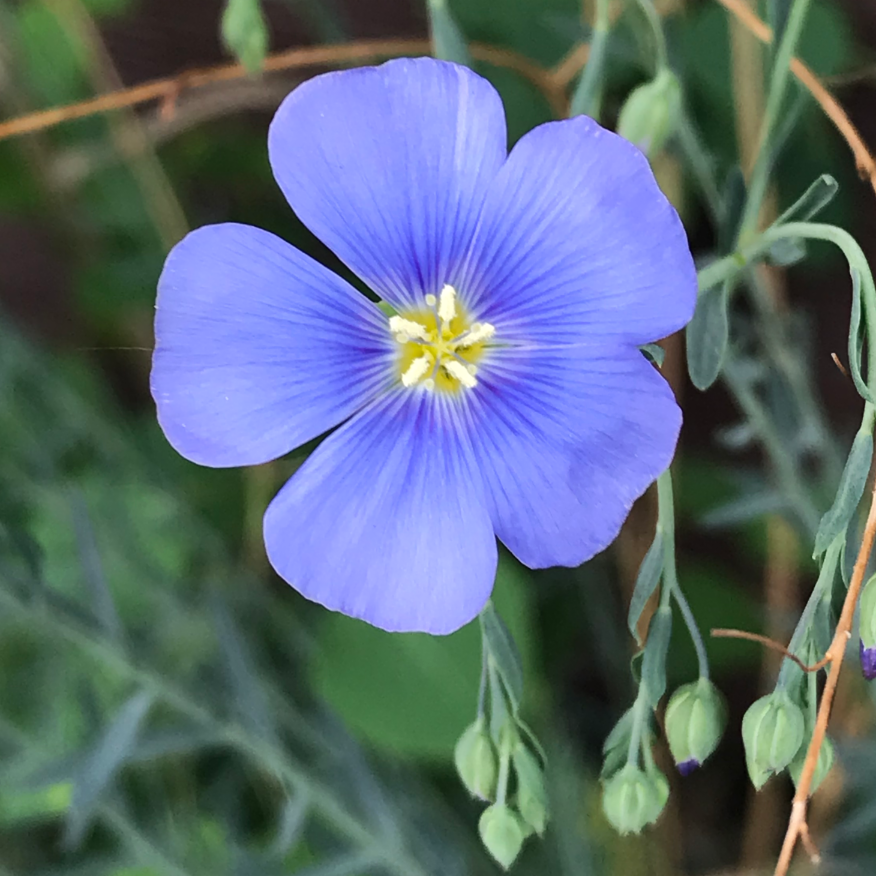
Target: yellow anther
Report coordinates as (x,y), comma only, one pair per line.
(431,300)
(459,371)
(405,329)
(480,331)
(447,304)
(416,370)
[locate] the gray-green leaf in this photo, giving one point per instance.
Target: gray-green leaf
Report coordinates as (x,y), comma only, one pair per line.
(656,649)
(707,335)
(646,583)
(851,488)
(855,339)
(504,653)
(101,766)
(812,201)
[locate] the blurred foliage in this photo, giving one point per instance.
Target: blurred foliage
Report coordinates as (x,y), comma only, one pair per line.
(168,707)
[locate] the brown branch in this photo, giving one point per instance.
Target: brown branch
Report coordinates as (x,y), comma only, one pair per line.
(167,90)
(797,826)
(863,159)
(769,643)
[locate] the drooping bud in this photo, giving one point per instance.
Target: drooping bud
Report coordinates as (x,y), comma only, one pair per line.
(868,629)
(772,731)
(650,114)
(531,792)
(476,761)
(822,768)
(501,833)
(695,720)
(633,798)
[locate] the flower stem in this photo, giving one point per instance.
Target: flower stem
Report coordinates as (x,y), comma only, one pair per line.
(671,587)
(587,98)
(656,26)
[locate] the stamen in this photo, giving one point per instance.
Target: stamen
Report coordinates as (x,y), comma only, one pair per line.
(459,371)
(408,328)
(431,300)
(416,370)
(447,304)
(480,331)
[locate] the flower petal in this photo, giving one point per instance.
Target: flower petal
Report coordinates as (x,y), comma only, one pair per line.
(258,348)
(387,522)
(577,244)
(567,439)
(389,166)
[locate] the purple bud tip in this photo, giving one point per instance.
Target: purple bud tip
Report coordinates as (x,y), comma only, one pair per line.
(686,767)
(868,662)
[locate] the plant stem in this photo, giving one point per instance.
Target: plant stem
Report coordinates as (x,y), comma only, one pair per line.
(757,185)
(797,826)
(656,25)
(587,98)
(671,587)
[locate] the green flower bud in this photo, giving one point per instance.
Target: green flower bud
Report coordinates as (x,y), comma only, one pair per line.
(501,833)
(822,768)
(650,114)
(772,731)
(476,761)
(868,629)
(695,720)
(531,791)
(632,798)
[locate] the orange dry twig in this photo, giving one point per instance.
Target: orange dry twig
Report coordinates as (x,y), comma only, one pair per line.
(769,643)
(797,826)
(168,89)
(864,161)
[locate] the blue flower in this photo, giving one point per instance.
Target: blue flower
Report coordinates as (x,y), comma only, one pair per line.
(506,398)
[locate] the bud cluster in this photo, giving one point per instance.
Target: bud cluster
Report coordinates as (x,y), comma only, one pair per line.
(511,778)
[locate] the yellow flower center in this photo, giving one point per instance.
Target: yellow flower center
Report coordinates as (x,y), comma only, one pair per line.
(439,347)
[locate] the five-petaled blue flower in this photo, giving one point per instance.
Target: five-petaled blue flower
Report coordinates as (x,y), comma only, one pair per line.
(507,397)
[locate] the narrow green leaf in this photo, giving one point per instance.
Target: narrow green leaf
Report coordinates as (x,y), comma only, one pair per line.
(173,742)
(250,702)
(743,509)
(646,583)
(733,199)
(822,626)
(92,568)
(787,251)
(620,733)
(812,201)
(656,649)
(855,339)
(448,43)
(851,488)
(348,864)
(654,353)
(849,552)
(503,650)
(777,16)
(245,32)
(102,765)
(707,336)
(291,826)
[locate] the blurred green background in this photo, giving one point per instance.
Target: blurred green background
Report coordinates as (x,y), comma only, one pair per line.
(167,705)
